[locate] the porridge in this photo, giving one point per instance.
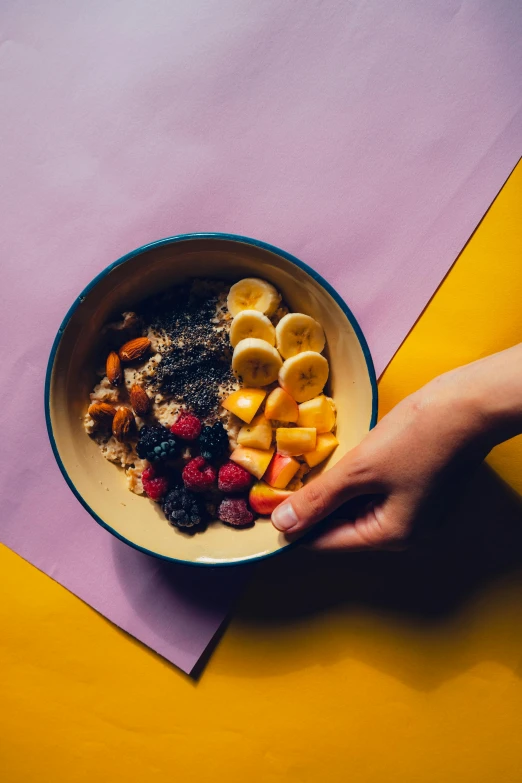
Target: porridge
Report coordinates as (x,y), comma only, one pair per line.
(211,400)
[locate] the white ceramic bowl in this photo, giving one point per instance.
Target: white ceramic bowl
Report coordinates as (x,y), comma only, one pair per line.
(99,485)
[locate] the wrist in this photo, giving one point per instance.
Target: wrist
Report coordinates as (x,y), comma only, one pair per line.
(488,395)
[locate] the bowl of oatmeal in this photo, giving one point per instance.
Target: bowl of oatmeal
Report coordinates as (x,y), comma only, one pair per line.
(195,384)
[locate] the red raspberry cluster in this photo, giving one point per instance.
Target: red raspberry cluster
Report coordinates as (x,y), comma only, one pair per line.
(199,477)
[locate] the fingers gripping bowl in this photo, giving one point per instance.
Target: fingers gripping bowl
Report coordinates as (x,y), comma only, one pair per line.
(143,275)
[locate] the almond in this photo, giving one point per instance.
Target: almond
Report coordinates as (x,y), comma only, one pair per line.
(135,349)
(113,369)
(122,423)
(102,413)
(139,400)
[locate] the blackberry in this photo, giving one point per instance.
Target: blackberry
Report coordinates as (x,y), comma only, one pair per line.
(213,441)
(182,508)
(156,444)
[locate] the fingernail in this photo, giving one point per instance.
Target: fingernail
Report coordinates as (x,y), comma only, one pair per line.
(284,517)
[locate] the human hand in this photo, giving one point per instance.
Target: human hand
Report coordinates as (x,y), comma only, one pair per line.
(400,471)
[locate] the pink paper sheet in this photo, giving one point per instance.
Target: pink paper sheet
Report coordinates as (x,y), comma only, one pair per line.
(367,138)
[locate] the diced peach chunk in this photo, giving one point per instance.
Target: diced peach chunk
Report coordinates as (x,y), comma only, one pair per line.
(257,434)
(326,443)
(263,498)
(256,461)
(318,412)
(280,406)
(293,441)
(281,471)
(245,403)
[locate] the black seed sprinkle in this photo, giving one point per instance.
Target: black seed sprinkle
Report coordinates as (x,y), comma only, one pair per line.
(196,366)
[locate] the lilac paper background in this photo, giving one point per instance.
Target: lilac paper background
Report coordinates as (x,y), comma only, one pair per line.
(366,138)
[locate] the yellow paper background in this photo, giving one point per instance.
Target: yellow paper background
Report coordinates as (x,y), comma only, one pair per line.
(351,670)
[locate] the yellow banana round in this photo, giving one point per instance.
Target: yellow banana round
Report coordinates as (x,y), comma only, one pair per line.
(297,332)
(252,293)
(304,375)
(256,362)
(251,323)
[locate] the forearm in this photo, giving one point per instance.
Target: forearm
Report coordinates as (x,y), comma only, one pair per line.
(491,390)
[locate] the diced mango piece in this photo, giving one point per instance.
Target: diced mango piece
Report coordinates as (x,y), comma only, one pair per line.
(281,471)
(257,434)
(256,461)
(293,441)
(280,406)
(318,413)
(245,403)
(326,443)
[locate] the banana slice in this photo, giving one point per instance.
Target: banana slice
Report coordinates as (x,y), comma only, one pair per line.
(304,375)
(252,293)
(251,323)
(256,362)
(297,332)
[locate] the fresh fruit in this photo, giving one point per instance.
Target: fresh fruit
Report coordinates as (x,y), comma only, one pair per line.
(294,441)
(113,369)
(134,350)
(251,323)
(182,508)
(198,475)
(156,444)
(263,498)
(233,478)
(139,400)
(187,426)
(252,293)
(245,403)
(326,443)
(281,471)
(155,486)
(102,413)
(255,461)
(213,441)
(280,406)
(296,333)
(257,434)
(256,362)
(304,375)
(122,423)
(318,413)
(235,512)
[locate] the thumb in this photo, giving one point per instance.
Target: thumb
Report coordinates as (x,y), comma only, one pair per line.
(318,499)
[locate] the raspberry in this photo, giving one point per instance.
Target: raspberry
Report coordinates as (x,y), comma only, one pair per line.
(233,478)
(198,475)
(187,426)
(234,511)
(155,486)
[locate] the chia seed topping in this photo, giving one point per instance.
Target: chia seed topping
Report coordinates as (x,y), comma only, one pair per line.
(195,366)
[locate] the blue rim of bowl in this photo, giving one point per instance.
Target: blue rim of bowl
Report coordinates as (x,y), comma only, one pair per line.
(170,241)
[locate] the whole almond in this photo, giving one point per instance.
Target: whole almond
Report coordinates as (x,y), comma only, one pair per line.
(139,400)
(102,413)
(135,349)
(113,369)
(122,423)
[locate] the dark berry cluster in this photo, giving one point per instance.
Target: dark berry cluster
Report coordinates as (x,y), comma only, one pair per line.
(182,508)
(156,444)
(184,504)
(213,441)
